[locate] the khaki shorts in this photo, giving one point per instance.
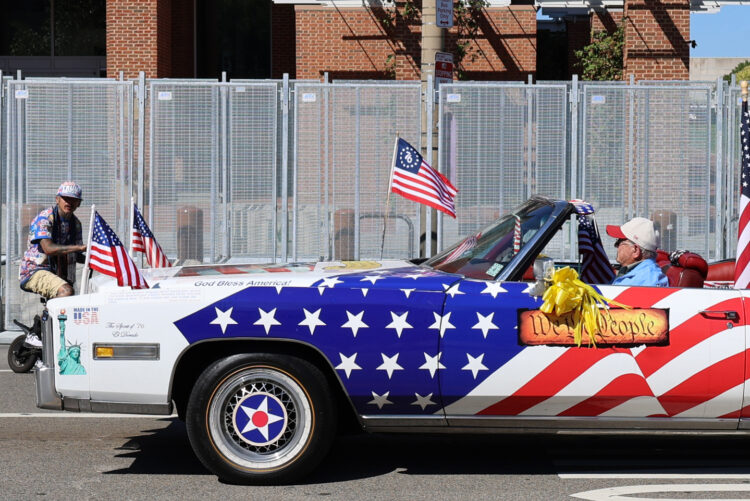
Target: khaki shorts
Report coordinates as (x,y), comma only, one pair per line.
(45,283)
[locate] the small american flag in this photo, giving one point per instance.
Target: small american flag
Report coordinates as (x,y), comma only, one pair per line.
(144,241)
(469,243)
(595,267)
(108,256)
(412,178)
(741,268)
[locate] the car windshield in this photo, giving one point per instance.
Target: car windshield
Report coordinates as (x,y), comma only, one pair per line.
(486,253)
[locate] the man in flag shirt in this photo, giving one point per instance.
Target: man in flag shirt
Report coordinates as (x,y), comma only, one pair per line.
(742,268)
(108,256)
(414,179)
(144,241)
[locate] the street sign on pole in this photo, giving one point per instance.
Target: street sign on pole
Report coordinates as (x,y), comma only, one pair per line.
(444,13)
(443,67)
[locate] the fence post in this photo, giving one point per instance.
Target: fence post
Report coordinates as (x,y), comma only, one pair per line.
(631,144)
(225,225)
(719,221)
(575,190)
(429,102)
(284,168)
(357,144)
(141,136)
(529,133)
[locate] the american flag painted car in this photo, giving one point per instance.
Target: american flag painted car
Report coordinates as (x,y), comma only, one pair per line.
(265,363)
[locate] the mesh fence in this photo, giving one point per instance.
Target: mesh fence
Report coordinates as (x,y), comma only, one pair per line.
(345,137)
(500,144)
(647,152)
(63,130)
(271,171)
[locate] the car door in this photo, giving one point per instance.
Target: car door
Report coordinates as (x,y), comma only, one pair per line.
(502,368)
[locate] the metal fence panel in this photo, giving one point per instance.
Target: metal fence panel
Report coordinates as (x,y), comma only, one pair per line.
(64,129)
(499,145)
(184,186)
(341,187)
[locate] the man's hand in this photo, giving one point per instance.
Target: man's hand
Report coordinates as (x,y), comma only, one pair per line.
(52,249)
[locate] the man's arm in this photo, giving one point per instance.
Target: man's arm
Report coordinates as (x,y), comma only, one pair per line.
(52,249)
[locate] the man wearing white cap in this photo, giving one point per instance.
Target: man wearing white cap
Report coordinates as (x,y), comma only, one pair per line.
(55,244)
(636,252)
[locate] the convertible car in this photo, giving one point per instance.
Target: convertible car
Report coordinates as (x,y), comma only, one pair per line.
(266,363)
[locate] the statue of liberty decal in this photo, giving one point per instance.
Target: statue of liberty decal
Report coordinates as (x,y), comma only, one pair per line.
(69,357)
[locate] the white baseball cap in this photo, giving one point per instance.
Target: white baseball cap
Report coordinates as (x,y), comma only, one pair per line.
(638,230)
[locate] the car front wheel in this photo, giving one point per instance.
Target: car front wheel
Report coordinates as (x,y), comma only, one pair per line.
(261,418)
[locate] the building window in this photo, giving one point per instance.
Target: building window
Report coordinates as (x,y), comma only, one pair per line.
(78,28)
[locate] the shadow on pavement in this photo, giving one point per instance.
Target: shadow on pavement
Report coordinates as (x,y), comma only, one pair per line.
(167,451)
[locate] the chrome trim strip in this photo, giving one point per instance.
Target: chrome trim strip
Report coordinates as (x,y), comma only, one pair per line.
(590,423)
(483,424)
(80,405)
(397,420)
(46,394)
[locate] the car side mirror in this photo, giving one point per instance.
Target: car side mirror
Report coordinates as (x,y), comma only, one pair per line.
(544,268)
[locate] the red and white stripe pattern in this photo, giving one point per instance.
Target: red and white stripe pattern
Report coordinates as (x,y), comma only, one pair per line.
(699,374)
(108,256)
(144,241)
(414,179)
(517,234)
(742,266)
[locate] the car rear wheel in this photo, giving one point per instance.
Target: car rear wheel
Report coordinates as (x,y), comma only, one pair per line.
(261,418)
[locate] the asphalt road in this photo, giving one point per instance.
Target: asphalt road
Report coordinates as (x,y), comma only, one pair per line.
(46,455)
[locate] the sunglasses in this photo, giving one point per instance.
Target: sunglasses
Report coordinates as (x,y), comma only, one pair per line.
(620,241)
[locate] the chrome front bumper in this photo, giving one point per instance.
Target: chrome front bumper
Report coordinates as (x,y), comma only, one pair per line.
(46,394)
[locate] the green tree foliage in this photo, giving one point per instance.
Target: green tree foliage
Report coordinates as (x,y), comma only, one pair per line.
(602,59)
(741,72)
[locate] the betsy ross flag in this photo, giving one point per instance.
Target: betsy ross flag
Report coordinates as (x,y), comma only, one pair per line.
(107,255)
(595,267)
(144,241)
(742,264)
(412,178)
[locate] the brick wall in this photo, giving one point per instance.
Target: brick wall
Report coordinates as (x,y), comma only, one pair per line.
(605,20)
(153,36)
(355,43)
(656,37)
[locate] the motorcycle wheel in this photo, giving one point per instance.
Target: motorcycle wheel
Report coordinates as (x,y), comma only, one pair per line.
(20,358)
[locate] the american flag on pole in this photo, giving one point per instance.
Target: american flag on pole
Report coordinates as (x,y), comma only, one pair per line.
(144,241)
(595,267)
(412,178)
(741,268)
(108,256)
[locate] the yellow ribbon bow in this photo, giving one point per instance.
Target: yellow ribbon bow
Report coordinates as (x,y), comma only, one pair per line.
(568,293)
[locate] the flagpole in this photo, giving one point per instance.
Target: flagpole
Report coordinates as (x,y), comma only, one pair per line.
(388,196)
(85,283)
(132,212)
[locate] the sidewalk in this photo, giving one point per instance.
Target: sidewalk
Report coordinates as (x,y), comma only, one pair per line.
(6,337)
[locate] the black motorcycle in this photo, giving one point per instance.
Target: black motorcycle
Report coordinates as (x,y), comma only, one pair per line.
(22,357)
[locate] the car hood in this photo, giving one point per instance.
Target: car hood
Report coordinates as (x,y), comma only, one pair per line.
(353,274)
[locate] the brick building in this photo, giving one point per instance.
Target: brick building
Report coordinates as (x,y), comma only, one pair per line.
(348,39)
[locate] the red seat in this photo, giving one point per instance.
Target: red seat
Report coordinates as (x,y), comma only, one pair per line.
(690,270)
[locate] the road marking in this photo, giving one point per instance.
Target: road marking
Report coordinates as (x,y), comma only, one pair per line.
(690,476)
(82,415)
(622,493)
